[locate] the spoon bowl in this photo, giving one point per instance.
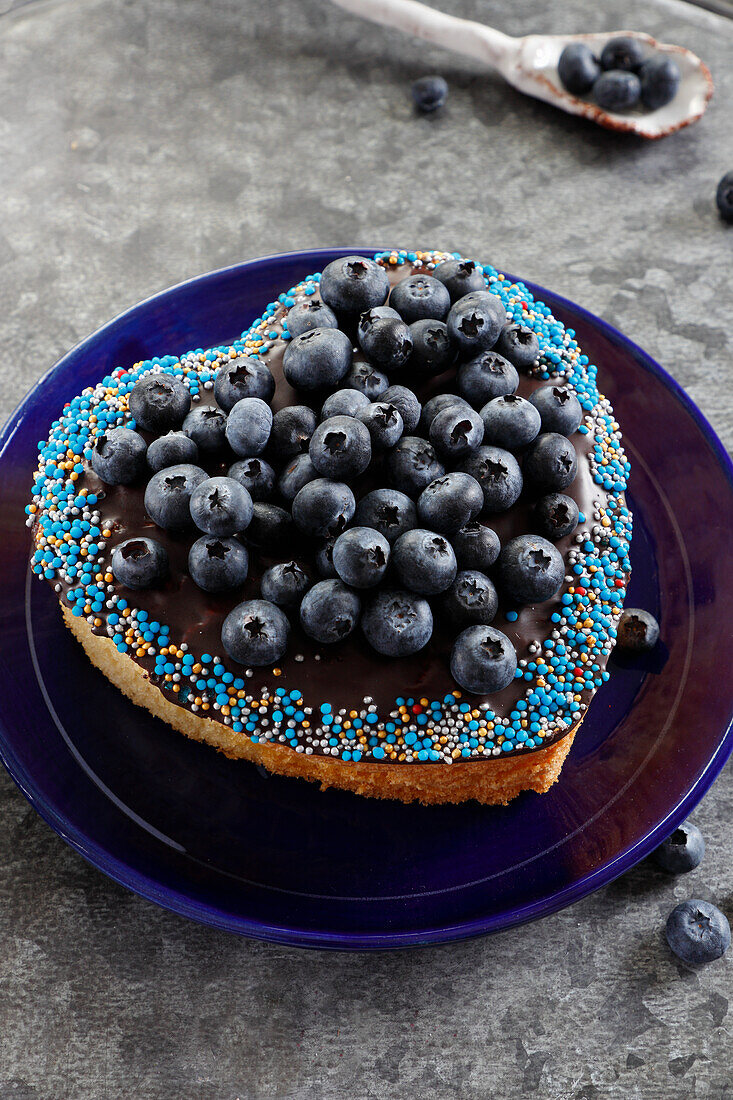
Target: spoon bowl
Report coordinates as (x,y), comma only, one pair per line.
(530,63)
(534,72)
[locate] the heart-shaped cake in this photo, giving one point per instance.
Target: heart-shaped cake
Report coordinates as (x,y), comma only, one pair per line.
(380,541)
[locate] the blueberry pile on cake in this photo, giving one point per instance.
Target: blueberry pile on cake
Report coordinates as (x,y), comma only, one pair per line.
(380,541)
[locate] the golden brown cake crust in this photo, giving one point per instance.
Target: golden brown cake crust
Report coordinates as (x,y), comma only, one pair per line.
(492,782)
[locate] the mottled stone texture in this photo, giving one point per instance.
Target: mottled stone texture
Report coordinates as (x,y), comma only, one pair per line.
(143,141)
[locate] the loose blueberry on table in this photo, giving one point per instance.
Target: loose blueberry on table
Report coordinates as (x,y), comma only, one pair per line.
(682,851)
(625,76)
(360,474)
(698,932)
(429,93)
(724,197)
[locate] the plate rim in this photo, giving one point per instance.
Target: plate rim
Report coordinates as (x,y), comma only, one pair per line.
(181,903)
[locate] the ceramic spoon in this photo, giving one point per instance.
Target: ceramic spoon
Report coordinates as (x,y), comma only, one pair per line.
(530,63)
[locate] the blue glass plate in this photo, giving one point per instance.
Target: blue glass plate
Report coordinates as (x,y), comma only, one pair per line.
(275,858)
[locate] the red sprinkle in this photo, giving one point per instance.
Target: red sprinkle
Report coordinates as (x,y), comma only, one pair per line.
(417,709)
(580,591)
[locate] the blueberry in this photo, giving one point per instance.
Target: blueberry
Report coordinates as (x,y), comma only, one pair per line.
(413,464)
(370,316)
(637,630)
(510,422)
(159,402)
(475,321)
(623,53)
(483,660)
(343,403)
(698,932)
(171,450)
(329,611)
(387,511)
(218,564)
(456,431)
(437,405)
(530,569)
(323,507)
(206,427)
(243,377)
(305,316)
(429,93)
(577,68)
(397,623)
(383,423)
(559,409)
(324,558)
(487,376)
(617,91)
(318,358)
(407,405)
(660,80)
(367,380)
(471,598)
(387,342)
(220,506)
(285,584)
(724,197)
(118,456)
(168,495)
(248,427)
(341,448)
(460,277)
(255,633)
(551,462)
(476,546)
(519,345)
(682,851)
(353,284)
(139,563)
(360,557)
(255,475)
(270,528)
(556,516)
(450,502)
(424,562)
(432,349)
(298,472)
(292,428)
(419,298)
(498,473)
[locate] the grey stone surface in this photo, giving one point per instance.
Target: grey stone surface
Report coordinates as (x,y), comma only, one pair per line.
(143,141)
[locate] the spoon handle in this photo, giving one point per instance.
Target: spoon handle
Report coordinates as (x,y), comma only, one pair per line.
(462,35)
